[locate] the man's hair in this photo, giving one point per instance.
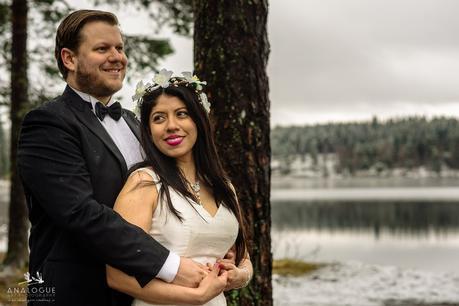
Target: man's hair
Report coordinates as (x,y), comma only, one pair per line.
(69,32)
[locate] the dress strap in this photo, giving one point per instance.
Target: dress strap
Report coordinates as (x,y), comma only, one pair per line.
(153,175)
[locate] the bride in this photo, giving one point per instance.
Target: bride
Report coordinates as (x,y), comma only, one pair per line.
(181,196)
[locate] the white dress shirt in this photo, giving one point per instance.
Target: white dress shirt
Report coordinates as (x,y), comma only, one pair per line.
(131,150)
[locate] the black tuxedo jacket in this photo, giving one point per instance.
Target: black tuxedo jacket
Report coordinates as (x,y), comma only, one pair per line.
(72,173)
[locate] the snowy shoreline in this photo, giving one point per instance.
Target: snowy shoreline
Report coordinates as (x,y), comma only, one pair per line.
(359,194)
(357,284)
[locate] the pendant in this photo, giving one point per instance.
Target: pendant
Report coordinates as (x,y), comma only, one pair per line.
(196,187)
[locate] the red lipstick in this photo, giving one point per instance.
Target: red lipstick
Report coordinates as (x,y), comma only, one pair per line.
(174,140)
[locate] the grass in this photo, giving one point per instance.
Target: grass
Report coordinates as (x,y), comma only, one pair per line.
(7,297)
(292,267)
(7,284)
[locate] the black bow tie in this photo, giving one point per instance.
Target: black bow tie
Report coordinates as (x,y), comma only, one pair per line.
(113,111)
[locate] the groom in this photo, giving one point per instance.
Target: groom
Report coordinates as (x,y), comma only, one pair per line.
(73,157)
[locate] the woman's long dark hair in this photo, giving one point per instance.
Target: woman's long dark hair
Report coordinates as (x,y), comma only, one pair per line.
(208,166)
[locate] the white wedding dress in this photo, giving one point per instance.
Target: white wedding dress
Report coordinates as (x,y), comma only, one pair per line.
(200,237)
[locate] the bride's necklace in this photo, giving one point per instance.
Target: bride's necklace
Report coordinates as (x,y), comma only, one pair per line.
(196,187)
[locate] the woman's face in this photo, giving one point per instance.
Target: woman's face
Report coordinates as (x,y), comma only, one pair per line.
(173,131)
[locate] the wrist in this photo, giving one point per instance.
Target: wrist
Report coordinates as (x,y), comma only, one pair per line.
(197,296)
(247,278)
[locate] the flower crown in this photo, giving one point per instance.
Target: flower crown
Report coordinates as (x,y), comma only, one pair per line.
(165,79)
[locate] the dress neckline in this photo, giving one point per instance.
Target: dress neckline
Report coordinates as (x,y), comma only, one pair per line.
(205,210)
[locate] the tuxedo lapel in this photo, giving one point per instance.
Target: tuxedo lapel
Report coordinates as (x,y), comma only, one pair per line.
(133,123)
(82,111)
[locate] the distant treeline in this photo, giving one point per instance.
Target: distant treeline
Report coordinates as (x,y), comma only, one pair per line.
(396,143)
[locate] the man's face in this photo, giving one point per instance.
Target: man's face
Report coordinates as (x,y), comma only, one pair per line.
(100,63)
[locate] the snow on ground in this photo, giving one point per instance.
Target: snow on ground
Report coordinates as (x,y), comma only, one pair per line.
(357,284)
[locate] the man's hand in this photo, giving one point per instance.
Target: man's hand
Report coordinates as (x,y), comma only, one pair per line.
(190,273)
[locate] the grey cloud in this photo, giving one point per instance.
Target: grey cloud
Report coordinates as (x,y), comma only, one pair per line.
(363,52)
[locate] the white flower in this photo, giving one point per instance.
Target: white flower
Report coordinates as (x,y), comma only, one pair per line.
(193,79)
(139,91)
(162,78)
(188,76)
(199,84)
(136,110)
(205,103)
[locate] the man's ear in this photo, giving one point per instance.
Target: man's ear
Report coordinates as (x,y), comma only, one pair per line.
(68,58)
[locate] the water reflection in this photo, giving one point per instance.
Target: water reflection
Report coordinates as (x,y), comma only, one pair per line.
(289,182)
(420,235)
(418,219)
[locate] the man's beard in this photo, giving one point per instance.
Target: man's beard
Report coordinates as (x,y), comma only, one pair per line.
(92,84)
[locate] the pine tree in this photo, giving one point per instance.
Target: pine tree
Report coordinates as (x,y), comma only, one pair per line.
(231,51)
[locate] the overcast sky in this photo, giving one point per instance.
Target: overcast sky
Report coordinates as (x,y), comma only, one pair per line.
(352,59)
(343,60)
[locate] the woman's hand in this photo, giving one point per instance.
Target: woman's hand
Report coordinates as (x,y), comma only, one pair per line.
(212,285)
(237,277)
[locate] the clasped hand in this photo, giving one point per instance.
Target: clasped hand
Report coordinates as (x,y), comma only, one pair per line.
(237,277)
(207,281)
(210,280)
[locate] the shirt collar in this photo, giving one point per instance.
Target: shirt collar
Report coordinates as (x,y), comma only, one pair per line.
(90,99)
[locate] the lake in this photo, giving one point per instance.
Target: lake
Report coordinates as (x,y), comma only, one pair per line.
(402,222)
(389,241)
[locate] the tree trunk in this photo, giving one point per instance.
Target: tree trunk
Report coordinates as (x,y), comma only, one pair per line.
(231,51)
(3,155)
(18,225)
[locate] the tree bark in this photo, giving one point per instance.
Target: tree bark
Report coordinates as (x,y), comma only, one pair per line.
(231,51)
(18,224)
(3,153)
